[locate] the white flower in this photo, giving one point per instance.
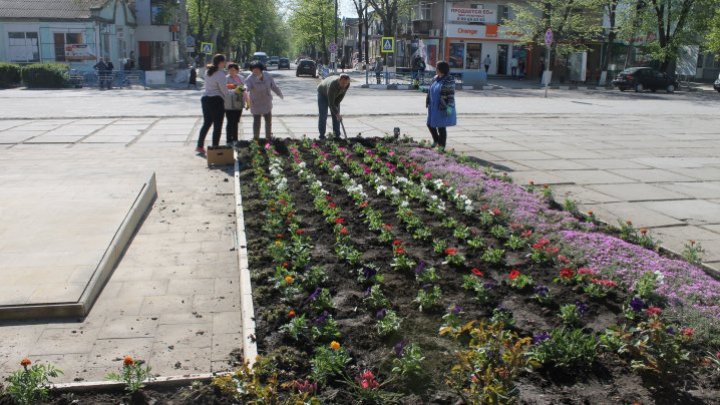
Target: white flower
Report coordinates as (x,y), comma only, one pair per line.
(336,168)
(659,277)
(380,189)
(394,191)
(404,204)
(302,165)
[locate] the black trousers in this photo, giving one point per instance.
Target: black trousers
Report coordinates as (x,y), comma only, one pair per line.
(231,128)
(268,126)
(439,135)
(213,109)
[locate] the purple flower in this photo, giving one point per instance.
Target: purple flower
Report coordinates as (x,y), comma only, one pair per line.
(369,272)
(420,267)
(670,330)
(489,285)
(314,295)
(582,307)
(637,304)
(456,309)
(539,338)
(400,348)
(381,313)
(321,318)
(541,290)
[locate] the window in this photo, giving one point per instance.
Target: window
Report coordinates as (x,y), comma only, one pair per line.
(457,55)
(422,12)
(503,14)
(163,12)
(23,47)
(69,46)
(474,53)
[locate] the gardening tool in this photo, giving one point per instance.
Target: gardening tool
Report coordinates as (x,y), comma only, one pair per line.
(342,124)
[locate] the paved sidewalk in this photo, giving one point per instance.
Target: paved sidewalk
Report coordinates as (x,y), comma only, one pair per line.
(174,298)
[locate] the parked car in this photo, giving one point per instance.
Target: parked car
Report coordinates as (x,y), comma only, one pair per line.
(274,60)
(306,67)
(716,85)
(644,78)
(284,63)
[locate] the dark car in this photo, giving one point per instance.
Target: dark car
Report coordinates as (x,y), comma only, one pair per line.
(284,63)
(644,78)
(716,85)
(306,67)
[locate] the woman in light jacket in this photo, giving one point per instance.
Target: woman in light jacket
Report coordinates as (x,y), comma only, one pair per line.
(440,103)
(236,101)
(213,102)
(260,86)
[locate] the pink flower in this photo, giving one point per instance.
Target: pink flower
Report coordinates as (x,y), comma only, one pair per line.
(688,332)
(585,270)
(652,311)
(427,175)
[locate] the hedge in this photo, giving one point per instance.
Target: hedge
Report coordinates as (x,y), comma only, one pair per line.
(45,75)
(9,74)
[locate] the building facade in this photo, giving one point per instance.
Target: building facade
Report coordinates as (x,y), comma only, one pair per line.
(76,32)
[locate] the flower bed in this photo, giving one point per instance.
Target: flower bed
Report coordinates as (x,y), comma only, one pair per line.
(431,281)
(386,272)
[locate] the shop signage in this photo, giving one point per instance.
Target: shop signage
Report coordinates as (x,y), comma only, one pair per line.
(79,52)
(489,31)
(470,15)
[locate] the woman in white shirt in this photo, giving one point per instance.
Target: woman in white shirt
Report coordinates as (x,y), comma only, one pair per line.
(213,102)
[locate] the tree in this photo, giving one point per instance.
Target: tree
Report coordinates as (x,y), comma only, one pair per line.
(312,24)
(389,12)
(712,39)
(361,7)
(611,11)
(575,24)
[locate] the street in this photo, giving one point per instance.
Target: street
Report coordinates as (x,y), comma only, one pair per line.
(653,158)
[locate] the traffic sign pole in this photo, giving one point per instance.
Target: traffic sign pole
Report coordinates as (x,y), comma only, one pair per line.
(546,75)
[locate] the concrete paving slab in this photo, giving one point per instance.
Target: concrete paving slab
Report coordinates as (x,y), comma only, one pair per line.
(651,175)
(587,177)
(637,192)
(688,211)
(704,190)
(640,215)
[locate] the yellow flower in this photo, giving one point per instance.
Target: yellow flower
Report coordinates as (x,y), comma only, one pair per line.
(289,279)
(278,243)
(335,345)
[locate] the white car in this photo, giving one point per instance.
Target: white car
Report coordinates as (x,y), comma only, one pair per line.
(716,85)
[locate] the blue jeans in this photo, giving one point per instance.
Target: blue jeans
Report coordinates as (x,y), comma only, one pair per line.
(323,105)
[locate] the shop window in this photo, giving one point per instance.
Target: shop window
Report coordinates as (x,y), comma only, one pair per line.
(64,41)
(457,55)
(23,47)
(474,55)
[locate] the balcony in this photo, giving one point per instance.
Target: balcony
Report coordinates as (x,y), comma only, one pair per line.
(422,27)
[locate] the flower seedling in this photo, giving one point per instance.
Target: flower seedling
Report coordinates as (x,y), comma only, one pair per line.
(453,257)
(409,362)
(428,298)
(425,275)
(493,256)
(476,283)
(542,294)
(31,385)
(518,280)
(329,361)
(388,322)
(134,374)
(693,252)
(375,297)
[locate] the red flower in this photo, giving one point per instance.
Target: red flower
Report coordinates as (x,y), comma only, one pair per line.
(387,226)
(451,251)
(279,236)
(526,234)
(397,242)
(328,197)
(496,212)
(477,272)
(563,259)
(339,221)
(567,273)
(286,265)
(585,270)
(652,311)
(128,361)
(344,231)
(604,282)
(688,332)
(552,250)
(300,232)
(291,313)
(514,274)
(541,243)
(25,362)
(332,205)
(400,251)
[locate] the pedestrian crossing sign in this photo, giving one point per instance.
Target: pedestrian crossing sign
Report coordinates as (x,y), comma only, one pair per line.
(206,47)
(388,44)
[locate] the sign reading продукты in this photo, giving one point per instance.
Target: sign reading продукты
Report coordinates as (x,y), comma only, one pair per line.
(206,47)
(388,44)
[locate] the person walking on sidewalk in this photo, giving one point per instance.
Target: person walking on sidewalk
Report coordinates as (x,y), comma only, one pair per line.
(259,86)
(213,102)
(487,61)
(514,67)
(378,69)
(440,103)
(234,104)
(331,92)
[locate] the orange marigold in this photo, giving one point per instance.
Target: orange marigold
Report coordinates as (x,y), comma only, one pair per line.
(128,361)
(25,362)
(335,345)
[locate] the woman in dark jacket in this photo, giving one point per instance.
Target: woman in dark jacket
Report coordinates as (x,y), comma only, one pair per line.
(440,103)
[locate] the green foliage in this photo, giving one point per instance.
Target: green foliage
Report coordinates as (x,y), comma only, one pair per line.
(326,331)
(477,284)
(409,363)
(376,298)
(693,251)
(486,370)
(565,348)
(45,75)
(297,328)
(10,75)
(712,37)
(244,385)
(31,384)
(388,324)
(574,23)
(312,24)
(134,374)
(570,315)
(328,363)
(429,299)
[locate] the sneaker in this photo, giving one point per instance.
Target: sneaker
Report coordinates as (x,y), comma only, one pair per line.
(200,150)
(323,137)
(434,144)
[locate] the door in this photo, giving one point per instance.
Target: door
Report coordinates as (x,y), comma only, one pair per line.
(144,59)
(502,59)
